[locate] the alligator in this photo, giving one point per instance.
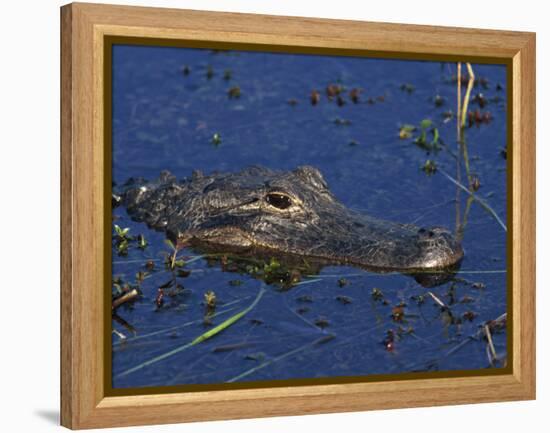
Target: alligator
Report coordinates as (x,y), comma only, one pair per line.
(285,212)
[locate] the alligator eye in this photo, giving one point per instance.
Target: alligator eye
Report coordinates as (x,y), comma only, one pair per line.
(280,201)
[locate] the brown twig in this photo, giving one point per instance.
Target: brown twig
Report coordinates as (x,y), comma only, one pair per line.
(126,297)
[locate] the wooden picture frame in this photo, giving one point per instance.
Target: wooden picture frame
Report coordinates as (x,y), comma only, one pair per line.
(85,223)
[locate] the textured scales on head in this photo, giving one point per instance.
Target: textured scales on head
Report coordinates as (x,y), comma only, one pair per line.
(291,212)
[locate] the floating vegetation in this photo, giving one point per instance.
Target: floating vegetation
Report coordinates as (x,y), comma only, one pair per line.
(355,94)
(426,126)
(429,167)
(334,90)
(478,117)
(464,79)
(234,92)
(216,139)
(342,122)
(159,299)
(480,100)
(235,283)
(210,300)
(344,299)
(122,240)
(203,337)
(322,322)
(376,294)
(406,131)
(407,87)
(314,97)
(475,183)
(142,242)
(342,282)
(398,313)
(209,72)
(439,100)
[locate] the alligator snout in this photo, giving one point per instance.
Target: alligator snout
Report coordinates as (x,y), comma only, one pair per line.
(438,248)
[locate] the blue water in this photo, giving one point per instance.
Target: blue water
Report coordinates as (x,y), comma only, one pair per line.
(165,120)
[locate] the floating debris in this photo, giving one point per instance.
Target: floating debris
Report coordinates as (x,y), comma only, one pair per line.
(480,100)
(216,139)
(389,340)
(322,322)
(209,72)
(354,94)
(376,294)
(469,316)
(186,70)
(398,313)
(333,90)
(292,102)
(126,297)
(210,300)
(406,131)
(353,143)
(343,122)
(235,283)
(142,243)
(407,87)
(159,299)
(340,101)
(477,117)
(342,282)
(344,299)
(227,74)
(234,92)
(429,167)
(475,184)
(439,100)
(314,97)
(302,310)
(447,116)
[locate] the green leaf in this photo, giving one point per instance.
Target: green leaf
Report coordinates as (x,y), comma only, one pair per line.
(209,334)
(436,137)
(426,123)
(169,243)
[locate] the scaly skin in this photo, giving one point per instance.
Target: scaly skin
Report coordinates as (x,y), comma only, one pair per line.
(289,212)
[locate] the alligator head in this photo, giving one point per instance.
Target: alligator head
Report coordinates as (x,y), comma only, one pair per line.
(290,212)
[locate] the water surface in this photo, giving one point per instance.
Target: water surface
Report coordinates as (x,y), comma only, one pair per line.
(331,324)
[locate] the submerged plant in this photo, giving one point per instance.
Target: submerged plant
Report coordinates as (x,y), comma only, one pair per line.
(216,139)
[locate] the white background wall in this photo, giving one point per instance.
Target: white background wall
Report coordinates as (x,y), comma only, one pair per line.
(29,203)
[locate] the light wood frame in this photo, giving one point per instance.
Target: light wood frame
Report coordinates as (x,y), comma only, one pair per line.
(84,28)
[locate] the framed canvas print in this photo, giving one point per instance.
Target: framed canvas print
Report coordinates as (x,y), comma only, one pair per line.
(271,216)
